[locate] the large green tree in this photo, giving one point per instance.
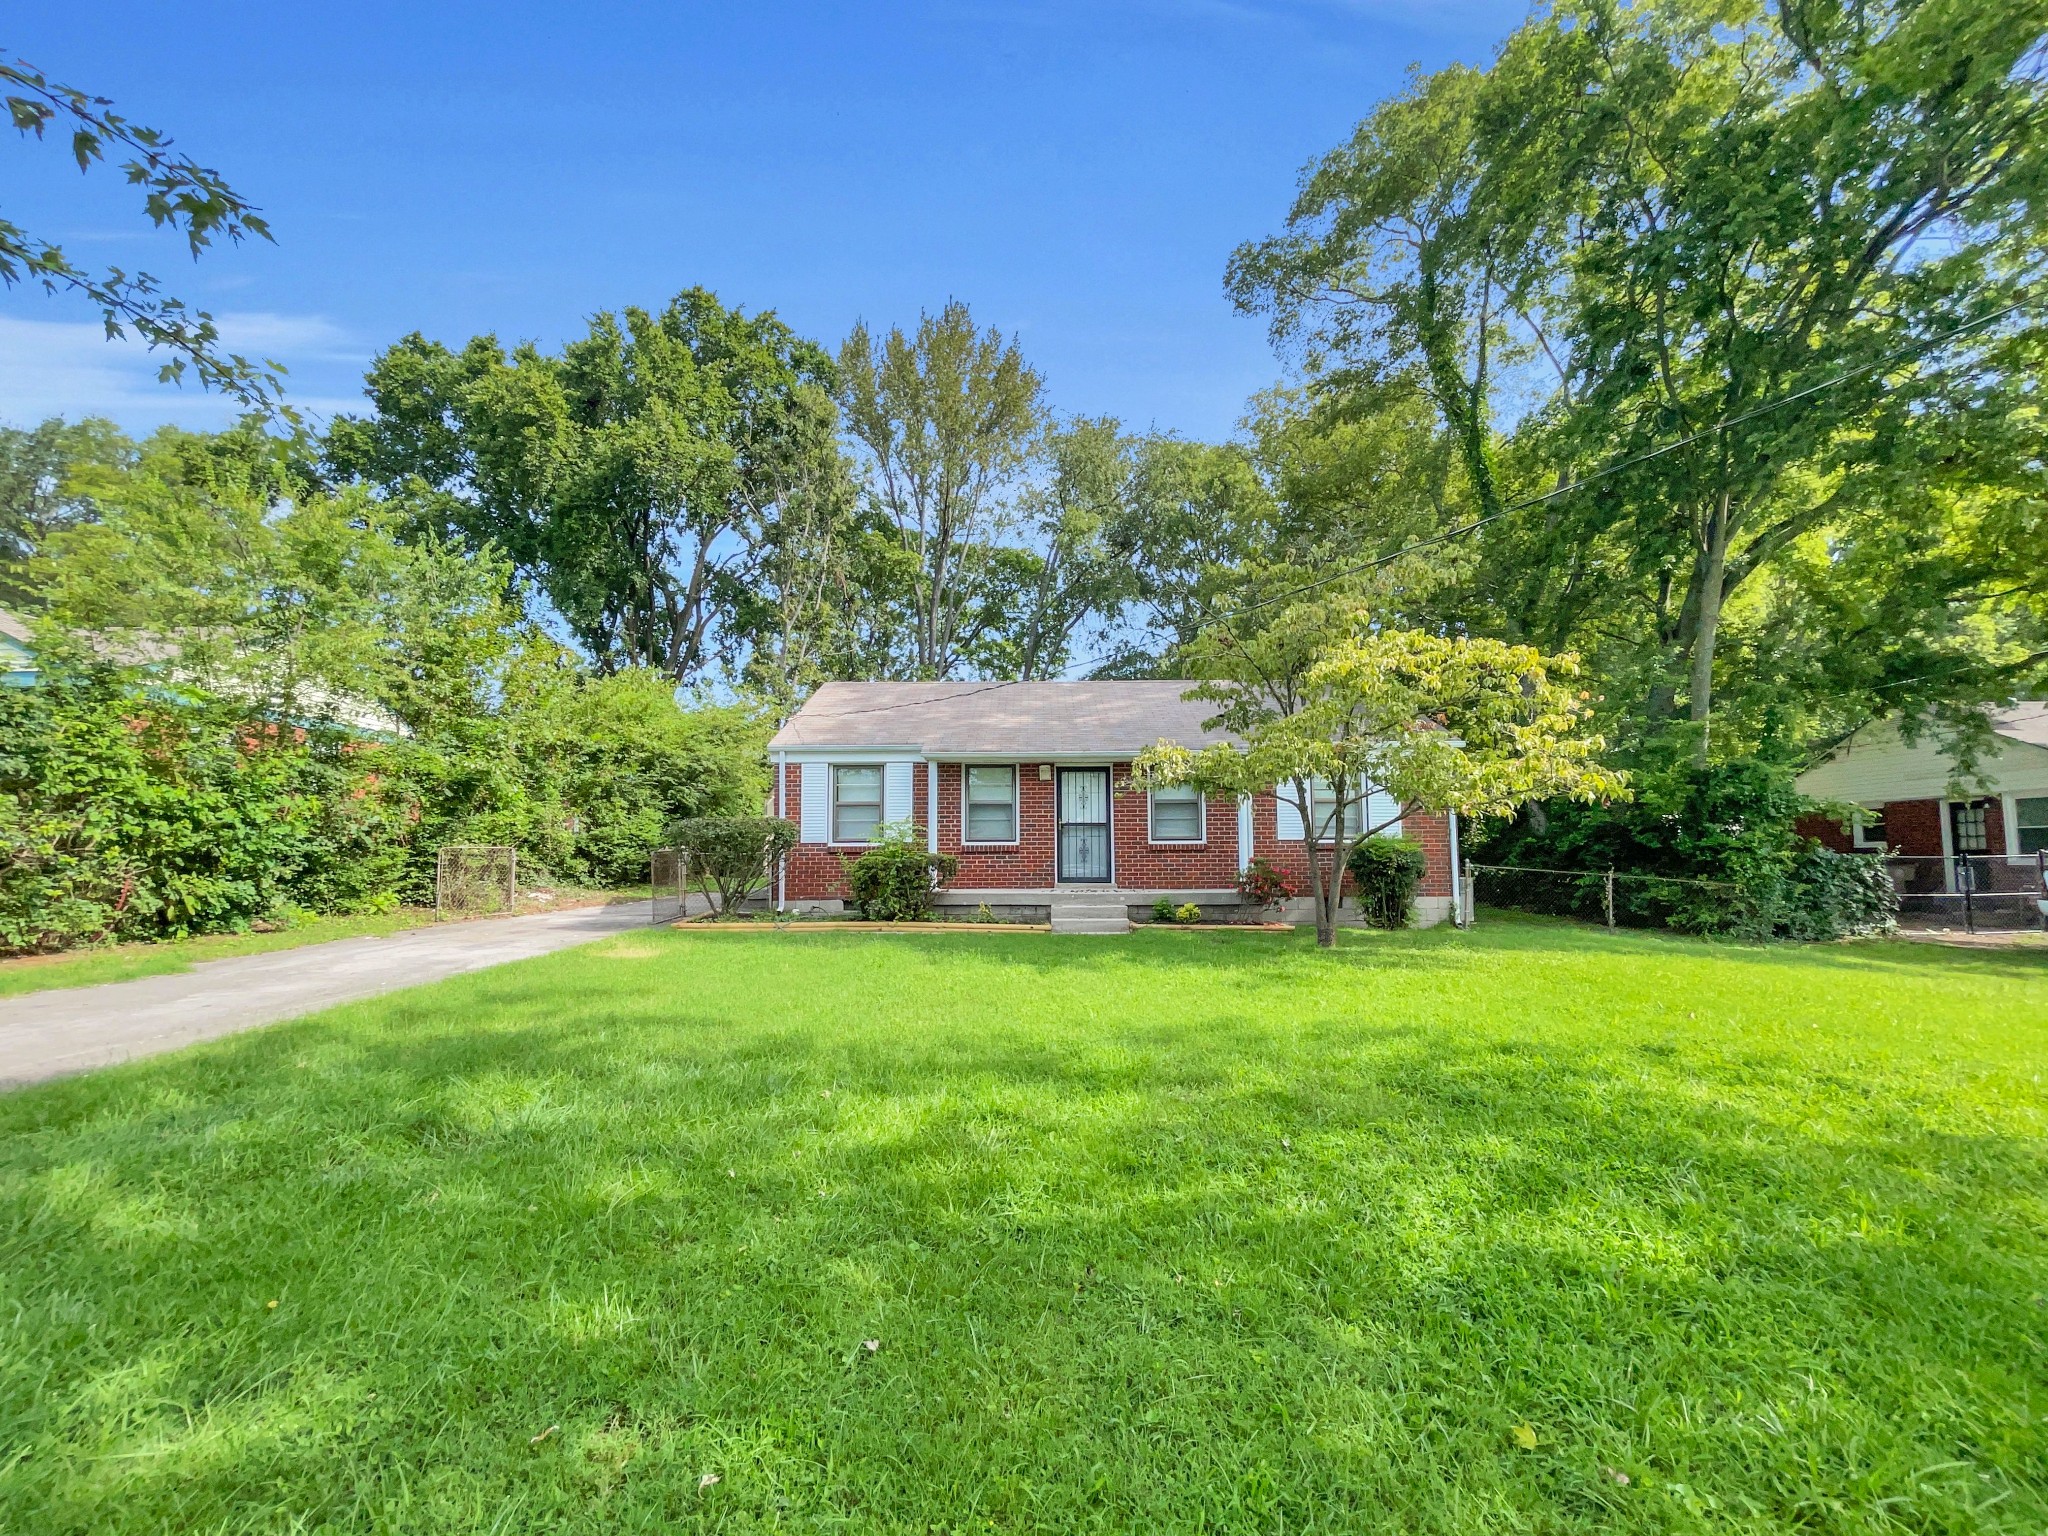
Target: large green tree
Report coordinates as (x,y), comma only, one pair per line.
(945,420)
(1748,272)
(642,476)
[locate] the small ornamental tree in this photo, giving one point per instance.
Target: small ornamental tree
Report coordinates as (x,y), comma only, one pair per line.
(1325,708)
(733,855)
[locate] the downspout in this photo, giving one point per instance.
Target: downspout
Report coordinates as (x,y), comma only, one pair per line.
(1457,879)
(931,805)
(781,814)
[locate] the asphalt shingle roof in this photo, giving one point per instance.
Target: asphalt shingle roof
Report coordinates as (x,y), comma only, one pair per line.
(1109,719)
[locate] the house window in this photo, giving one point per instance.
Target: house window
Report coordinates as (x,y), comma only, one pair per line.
(1176,815)
(2030,821)
(1969,825)
(991,805)
(1867,829)
(1322,803)
(856,802)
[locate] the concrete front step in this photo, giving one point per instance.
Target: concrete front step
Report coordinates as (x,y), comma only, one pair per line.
(1064,923)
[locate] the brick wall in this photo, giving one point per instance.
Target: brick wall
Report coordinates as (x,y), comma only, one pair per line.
(1432,832)
(816,872)
(1142,864)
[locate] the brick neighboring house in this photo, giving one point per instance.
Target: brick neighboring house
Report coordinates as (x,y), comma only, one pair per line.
(1910,809)
(1029,786)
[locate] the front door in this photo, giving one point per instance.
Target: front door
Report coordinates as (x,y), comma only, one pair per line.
(1084,825)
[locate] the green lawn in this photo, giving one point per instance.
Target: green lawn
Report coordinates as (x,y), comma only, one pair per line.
(1188,1231)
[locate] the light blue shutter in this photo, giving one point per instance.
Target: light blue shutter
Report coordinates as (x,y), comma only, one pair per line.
(898,779)
(814,803)
(1289,829)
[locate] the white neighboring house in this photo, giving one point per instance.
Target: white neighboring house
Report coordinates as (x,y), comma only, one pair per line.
(1915,803)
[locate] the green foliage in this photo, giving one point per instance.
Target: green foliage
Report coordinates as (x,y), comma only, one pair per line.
(177,192)
(1316,692)
(1640,221)
(1187,912)
(946,420)
(645,478)
(897,880)
(734,855)
(1730,823)
(1385,872)
(1162,909)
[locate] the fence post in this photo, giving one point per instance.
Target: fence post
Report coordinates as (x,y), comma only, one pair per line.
(1610,901)
(512,882)
(1471,882)
(440,872)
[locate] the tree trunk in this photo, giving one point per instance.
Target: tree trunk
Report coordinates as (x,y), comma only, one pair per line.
(1700,684)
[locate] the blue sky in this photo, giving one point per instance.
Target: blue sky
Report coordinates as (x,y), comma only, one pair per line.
(1077,172)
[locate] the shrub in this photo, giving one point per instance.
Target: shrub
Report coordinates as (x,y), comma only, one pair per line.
(1384,874)
(1262,885)
(734,854)
(896,880)
(1187,912)
(1162,910)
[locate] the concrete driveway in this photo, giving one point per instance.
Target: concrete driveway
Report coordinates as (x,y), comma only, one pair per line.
(49,1034)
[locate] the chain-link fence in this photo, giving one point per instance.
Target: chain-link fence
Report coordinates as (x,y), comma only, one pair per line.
(475,880)
(1611,898)
(668,874)
(1977,893)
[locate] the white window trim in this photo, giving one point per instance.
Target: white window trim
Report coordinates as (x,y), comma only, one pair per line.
(1856,837)
(1201,821)
(834,840)
(2012,822)
(1016,808)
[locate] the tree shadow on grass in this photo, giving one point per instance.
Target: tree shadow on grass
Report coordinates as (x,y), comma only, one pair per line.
(1140,1262)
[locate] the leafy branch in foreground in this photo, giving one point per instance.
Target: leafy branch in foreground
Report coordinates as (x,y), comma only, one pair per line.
(178,192)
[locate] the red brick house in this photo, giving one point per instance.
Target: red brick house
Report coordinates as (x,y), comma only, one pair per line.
(1028,785)
(1914,803)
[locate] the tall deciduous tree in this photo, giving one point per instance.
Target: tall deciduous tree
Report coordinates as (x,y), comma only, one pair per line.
(1328,707)
(1691,213)
(38,493)
(642,476)
(945,420)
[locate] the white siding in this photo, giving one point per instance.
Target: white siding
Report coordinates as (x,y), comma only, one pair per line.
(1877,764)
(1244,833)
(814,803)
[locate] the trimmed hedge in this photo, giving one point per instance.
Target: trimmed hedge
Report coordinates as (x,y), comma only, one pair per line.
(1385,872)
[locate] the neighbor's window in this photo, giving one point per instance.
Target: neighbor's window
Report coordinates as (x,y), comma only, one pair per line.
(856,802)
(1176,815)
(1322,799)
(992,805)
(2032,818)
(1868,829)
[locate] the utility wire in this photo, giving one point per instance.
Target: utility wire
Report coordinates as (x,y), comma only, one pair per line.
(1898,354)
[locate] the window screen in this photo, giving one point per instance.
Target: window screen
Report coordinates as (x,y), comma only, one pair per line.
(992,805)
(1176,815)
(856,802)
(2031,815)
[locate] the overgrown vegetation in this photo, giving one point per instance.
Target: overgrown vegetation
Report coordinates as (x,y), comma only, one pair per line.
(1734,823)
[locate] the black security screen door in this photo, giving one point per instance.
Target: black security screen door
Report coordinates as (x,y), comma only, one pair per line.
(1084,824)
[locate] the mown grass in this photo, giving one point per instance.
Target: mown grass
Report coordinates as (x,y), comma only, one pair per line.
(1188,1231)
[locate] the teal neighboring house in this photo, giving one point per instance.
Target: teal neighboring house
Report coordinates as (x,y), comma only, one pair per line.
(17,652)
